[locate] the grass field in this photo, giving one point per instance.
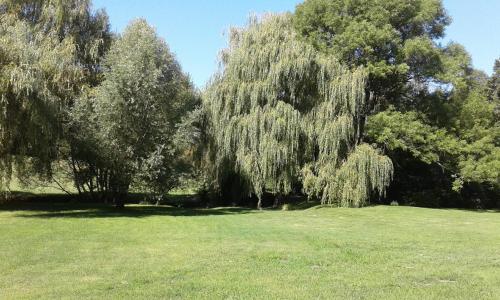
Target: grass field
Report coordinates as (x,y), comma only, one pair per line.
(161,252)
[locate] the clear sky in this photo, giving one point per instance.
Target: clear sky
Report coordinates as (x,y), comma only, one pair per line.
(195,29)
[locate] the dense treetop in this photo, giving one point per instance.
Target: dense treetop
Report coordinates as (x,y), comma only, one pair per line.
(134,112)
(280,112)
(49,50)
(394,39)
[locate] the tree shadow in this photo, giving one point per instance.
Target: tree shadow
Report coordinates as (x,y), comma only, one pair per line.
(136,212)
(475,210)
(75,209)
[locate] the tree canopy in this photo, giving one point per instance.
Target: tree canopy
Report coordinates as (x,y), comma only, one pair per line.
(49,50)
(394,39)
(134,112)
(281,112)
(111,115)
(430,109)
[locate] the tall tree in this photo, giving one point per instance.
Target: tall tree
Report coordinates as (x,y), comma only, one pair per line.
(494,83)
(461,150)
(394,39)
(424,92)
(48,51)
(280,113)
(136,108)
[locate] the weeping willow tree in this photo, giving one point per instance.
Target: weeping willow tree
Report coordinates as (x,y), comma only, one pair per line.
(49,50)
(281,114)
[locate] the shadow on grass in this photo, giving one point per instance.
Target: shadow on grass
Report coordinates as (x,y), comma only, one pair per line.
(128,212)
(476,210)
(450,209)
(61,206)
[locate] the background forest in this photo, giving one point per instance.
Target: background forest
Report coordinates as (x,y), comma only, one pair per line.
(347,103)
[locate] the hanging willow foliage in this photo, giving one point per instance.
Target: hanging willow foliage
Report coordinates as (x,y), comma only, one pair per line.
(281,113)
(49,50)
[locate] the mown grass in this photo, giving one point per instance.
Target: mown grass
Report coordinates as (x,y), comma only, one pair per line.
(75,251)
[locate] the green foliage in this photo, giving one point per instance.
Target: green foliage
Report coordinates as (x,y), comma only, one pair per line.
(392,38)
(278,106)
(47,51)
(471,150)
(407,132)
(143,96)
(351,185)
(457,68)
(433,108)
(480,128)
(494,83)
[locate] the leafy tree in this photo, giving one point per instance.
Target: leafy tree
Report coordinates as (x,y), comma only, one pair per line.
(136,108)
(394,39)
(478,125)
(435,117)
(468,150)
(48,52)
(407,132)
(280,113)
(494,83)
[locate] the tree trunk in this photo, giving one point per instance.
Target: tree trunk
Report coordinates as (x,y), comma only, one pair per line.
(119,200)
(119,190)
(259,204)
(277,200)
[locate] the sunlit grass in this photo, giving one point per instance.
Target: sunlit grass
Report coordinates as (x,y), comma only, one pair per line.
(163,252)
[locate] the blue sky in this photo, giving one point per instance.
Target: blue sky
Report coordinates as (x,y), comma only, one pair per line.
(194,29)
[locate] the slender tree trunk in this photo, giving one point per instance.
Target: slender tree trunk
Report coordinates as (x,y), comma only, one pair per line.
(278,200)
(75,176)
(120,192)
(119,200)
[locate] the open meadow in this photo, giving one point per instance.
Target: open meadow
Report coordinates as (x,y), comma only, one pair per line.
(75,251)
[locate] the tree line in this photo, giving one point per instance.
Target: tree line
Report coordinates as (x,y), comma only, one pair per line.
(344,102)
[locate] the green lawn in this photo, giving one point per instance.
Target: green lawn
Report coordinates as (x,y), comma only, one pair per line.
(161,252)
